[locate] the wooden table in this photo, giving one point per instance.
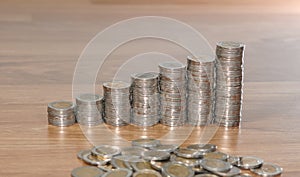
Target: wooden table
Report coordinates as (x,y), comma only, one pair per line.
(41,42)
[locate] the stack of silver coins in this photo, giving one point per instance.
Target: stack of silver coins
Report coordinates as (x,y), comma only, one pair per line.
(117,108)
(89,109)
(61,113)
(145,99)
(229,83)
(200,89)
(173,93)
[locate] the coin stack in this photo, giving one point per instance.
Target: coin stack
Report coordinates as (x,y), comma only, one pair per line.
(89,109)
(145,99)
(61,113)
(200,89)
(229,83)
(117,108)
(173,93)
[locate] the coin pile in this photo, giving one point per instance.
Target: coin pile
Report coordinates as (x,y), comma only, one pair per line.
(117,108)
(229,83)
(89,109)
(173,93)
(145,99)
(61,113)
(153,160)
(200,89)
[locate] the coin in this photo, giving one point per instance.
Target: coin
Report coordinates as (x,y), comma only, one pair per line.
(122,161)
(177,170)
(243,175)
(203,148)
(147,173)
(86,171)
(61,113)
(267,169)
(186,161)
(105,151)
(118,173)
(172,84)
(81,153)
(106,167)
(141,165)
(216,155)
(166,147)
(215,165)
(156,155)
(89,109)
(187,153)
(145,142)
(248,162)
(157,165)
(206,175)
(232,172)
(92,160)
(133,151)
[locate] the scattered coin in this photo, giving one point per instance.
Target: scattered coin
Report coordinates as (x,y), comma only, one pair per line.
(268,169)
(81,153)
(147,173)
(133,151)
(232,172)
(177,170)
(118,173)
(86,171)
(215,165)
(141,165)
(186,161)
(157,165)
(92,160)
(123,161)
(206,175)
(248,162)
(146,143)
(203,148)
(166,147)
(216,155)
(156,155)
(61,113)
(187,153)
(105,151)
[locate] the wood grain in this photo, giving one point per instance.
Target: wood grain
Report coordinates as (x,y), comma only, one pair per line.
(42,40)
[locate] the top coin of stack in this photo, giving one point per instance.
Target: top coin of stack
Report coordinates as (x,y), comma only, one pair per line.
(89,109)
(61,113)
(145,99)
(173,93)
(200,72)
(229,83)
(117,108)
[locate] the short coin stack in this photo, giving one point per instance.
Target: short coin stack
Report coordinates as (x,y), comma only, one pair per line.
(173,93)
(155,159)
(61,113)
(229,83)
(89,109)
(117,108)
(200,89)
(145,99)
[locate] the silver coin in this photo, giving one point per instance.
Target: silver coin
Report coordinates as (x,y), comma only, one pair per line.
(92,160)
(81,153)
(191,162)
(187,153)
(206,175)
(105,151)
(86,171)
(118,173)
(203,148)
(141,165)
(156,155)
(177,170)
(166,147)
(267,169)
(61,113)
(122,161)
(215,165)
(145,142)
(248,162)
(232,172)
(106,167)
(216,155)
(133,151)
(157,165)
(243,175)
(147,173)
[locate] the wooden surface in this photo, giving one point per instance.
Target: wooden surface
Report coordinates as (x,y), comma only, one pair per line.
(40,45)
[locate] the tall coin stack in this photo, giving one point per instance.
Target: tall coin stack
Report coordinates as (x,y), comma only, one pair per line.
(61,113)
(200,89)
(89,109)
(117,108)
(173,93)
(229,83)
(145,99)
